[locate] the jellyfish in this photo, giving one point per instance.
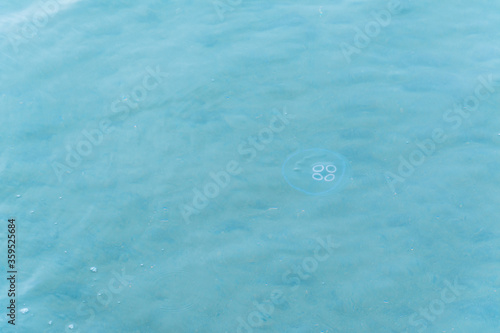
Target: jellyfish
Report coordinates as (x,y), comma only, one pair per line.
(316,171)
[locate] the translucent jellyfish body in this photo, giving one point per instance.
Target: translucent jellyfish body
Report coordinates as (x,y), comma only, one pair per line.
(316,171)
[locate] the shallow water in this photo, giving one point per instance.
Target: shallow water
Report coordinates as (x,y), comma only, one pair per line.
(135,139)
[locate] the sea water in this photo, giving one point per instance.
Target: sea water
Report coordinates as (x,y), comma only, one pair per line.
(144,158)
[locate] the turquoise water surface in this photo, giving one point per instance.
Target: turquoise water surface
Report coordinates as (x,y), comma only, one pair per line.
(251,166)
